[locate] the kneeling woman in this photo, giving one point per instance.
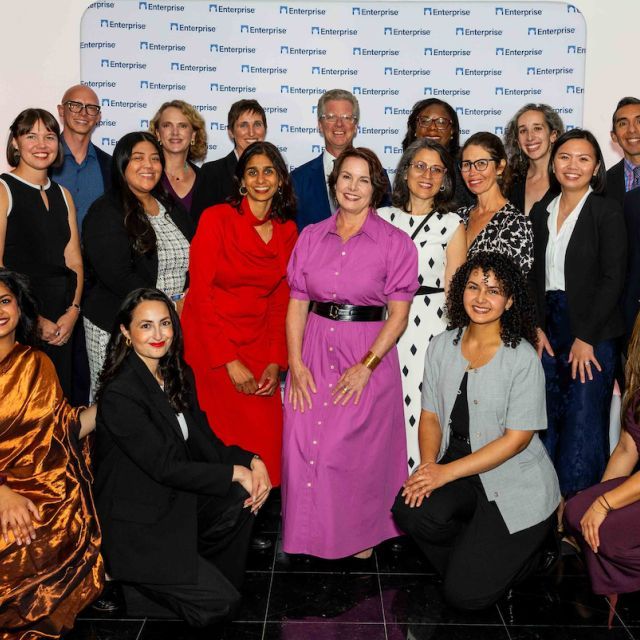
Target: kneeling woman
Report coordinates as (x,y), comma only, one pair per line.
(174,502)
(482,501)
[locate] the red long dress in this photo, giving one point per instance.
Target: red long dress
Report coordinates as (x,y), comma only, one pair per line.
(235,309)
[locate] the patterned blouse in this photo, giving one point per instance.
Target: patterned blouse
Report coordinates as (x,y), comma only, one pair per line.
(173,253)
(508,232)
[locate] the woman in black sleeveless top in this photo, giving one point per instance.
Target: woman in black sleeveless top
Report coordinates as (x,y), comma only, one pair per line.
(39,235)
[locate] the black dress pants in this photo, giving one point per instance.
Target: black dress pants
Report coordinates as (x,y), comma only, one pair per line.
(224,534)
(465,538)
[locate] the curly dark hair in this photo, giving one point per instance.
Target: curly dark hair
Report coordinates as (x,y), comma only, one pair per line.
(376,173)
(18,285)
(283,206)
(516,323)
(172,365)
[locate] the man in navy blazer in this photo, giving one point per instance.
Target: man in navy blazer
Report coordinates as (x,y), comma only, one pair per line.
(338,117)
(625,131)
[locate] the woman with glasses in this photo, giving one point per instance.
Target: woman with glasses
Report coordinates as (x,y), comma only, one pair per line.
(39,233)
(181,133)
(493,223)
(422,193)
(528,140)
(437,121)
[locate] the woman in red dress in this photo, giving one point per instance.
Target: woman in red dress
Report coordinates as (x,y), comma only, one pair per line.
(234,312)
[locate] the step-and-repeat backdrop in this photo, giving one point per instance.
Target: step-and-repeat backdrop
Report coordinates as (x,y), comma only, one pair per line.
(485,58)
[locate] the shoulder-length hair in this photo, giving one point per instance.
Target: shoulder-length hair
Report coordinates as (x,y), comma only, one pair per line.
(598,182)
(376,173)
(139,229)
(401,197)
(632,375)
(494,147)
(172,366)
(198,150)
(412,124)
(518,160)
(516,323)
(24,122)
(18,285)
(283,206)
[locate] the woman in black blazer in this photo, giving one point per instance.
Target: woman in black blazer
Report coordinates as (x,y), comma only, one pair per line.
(175,504)
(580,253)
(133,236)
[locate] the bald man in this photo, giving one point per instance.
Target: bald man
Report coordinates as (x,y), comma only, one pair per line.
(86,171)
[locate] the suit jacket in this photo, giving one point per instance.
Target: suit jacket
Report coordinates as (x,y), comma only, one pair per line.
(214,184)
(148,478)
(312,198)
(631,297)
(104,160)
(113,267)
(616,188)
(594,268)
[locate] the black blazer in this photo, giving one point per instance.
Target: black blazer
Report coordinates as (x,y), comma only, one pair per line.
(148,478)
(112,266)
(631,297)
(104,160)
(616,188)
(594,268)
(214,184)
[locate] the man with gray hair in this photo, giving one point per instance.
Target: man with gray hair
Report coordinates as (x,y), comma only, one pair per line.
(338,117)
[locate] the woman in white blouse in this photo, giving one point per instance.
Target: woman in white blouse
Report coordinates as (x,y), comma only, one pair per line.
(578,275)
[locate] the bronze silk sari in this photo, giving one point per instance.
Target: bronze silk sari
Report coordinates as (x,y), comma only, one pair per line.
(44,585)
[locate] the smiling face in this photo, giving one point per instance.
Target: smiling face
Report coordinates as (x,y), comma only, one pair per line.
(534,137)
(80,123)
(247,129)
(338,135)
(440,133)
(626,131)
(354,190)
(483,298)
(174,131)
(479,182)
(9,316)
(38,147)
(425,183)
(261,179)
(144,169)
(150,331)
(575,164)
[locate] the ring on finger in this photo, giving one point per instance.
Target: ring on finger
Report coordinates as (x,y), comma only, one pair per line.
(345,388)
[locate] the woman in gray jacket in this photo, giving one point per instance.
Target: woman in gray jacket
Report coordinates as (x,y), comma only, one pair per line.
(482,502)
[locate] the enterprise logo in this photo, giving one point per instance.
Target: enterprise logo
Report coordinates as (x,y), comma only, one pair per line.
(205,107)
(116,24)
(220,8)
(573,88)
(563,110)
(317,148)
(549,71)
(221,48)
(294,128)
(123,104)
(107,123)
(483,73)
(381,53)
(397,111)
(97,45)
(197,68)
(153,46)
(453,53)
(434,91)
(153,6)
(162,86)
(327,71)
(454,13)
(120,64)
(408,33)
(502,11)
(227,88)
(267,31)
(191,28)
(297,11)
(412,73)
(390,149)
(323,31)
(144,124)
(470,111)
(101,5)
(363,11)
(537,31)
(217,126)
(297,51)
(108,142)
(101,84)
(522,53)
(483,33)
(269,71)
(365,91)
(572,48)
(307,91)
(508,91)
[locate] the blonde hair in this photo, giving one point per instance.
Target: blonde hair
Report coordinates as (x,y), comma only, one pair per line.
(198,150)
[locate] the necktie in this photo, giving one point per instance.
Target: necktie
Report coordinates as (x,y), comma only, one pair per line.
(636,177)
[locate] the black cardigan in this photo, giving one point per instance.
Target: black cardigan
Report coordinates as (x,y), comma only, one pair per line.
(594,269)
(148,478)
(114,269)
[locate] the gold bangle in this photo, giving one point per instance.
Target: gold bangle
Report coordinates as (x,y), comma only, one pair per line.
(371,360)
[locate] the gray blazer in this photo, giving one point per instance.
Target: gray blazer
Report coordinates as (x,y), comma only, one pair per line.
(506,393)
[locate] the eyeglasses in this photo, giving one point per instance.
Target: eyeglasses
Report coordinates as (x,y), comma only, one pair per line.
(478,165)
(422,167)
(77,107)
(333,118)
(441,123)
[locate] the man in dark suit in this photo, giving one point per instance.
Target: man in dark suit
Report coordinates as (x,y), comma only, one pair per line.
(625,131)
(338,117)
(631,297)
(86,173)
(246,123)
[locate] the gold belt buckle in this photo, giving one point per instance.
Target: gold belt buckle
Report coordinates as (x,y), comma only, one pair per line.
(334,312)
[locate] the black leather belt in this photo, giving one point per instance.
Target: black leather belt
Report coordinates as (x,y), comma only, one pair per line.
(456,436)
(347,312)
(425,291)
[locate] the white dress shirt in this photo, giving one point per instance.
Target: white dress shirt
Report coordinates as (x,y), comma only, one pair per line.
(327,163)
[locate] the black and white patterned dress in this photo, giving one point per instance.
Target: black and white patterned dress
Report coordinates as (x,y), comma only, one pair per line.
(431,235)
(508,232)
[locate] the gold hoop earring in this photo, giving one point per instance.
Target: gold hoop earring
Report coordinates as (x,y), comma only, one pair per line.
(127,341)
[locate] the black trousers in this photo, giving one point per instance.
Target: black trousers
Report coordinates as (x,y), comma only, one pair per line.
(467,541)
(224,534)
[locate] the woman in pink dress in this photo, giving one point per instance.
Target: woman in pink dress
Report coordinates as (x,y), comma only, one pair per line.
(344,449)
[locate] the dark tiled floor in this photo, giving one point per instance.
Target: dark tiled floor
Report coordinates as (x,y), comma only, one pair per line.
(392,596)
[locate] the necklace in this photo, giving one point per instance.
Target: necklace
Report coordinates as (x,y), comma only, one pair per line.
(185,173)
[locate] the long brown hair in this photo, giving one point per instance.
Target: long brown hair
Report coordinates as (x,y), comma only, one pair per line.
(632,373)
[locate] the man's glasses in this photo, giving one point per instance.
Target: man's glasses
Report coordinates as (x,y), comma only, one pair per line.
(77,107)
(333,118)
(478,165)
(422,167)
(441,123)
